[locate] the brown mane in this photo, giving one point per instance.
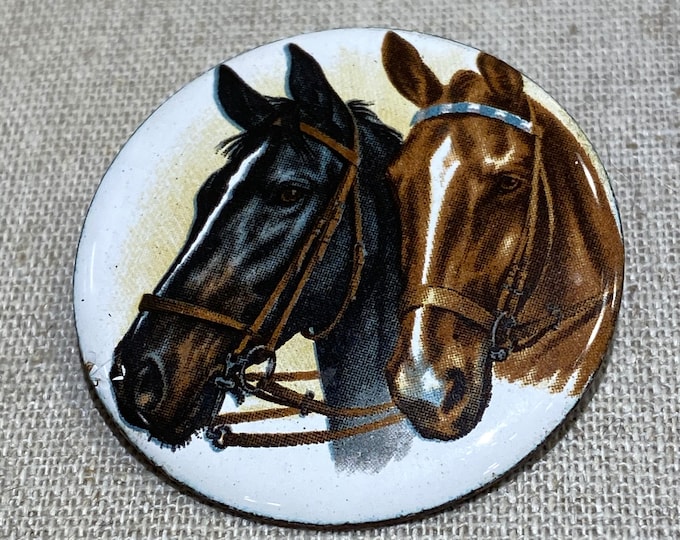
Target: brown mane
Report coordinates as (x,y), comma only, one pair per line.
(588,242)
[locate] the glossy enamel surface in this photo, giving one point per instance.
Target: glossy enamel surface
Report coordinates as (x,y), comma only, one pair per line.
(138,223)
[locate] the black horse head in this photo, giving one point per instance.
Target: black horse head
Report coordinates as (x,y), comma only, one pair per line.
(251,217)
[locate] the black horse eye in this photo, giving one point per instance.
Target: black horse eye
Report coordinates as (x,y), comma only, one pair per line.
(289,195)
(509,183)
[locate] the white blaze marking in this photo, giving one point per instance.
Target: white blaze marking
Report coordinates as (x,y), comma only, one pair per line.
(442,168)
(238,177)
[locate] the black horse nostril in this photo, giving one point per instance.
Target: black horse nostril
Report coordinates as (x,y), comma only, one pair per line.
(149,388)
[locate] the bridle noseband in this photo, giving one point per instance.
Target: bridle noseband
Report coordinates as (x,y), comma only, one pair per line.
(506,330)
(236,380)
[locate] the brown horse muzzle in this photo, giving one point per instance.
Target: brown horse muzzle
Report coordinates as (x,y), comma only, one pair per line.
(442,384)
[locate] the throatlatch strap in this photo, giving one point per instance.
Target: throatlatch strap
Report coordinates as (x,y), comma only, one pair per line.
(359,258)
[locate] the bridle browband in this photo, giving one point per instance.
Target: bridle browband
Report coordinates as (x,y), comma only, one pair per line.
(507,332)
(466,107)
(266,386)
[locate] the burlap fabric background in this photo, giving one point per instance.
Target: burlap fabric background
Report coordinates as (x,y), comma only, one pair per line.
(77,78)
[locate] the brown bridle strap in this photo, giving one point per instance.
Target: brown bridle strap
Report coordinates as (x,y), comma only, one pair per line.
(520,334)
(321,234)
(358,262)
(269,390)
(151,302)
(449,300)
(276,393)
(227,438)
(350,155)
(296,404)
(254,416)
(528,333)
(284,376)
(512,291)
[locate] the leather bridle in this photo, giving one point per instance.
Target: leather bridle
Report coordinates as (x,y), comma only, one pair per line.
(507,331)
(234,378)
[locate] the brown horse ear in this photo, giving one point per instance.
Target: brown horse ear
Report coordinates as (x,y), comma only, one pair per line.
(408,73)
(502,79)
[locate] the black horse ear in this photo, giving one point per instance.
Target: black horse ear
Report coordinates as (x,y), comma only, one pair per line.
(244,105)
(318,102)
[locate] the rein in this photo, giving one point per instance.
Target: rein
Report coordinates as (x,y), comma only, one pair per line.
(506,331)
(266,387)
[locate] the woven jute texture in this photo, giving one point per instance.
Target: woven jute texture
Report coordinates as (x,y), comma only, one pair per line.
(78,77)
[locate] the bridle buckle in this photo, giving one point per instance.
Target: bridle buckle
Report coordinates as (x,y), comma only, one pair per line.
(235,379)
(500,334)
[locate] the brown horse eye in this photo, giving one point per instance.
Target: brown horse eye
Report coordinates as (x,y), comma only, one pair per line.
(290,195)
(509,183)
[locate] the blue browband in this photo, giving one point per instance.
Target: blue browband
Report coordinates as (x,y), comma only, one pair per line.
(465,107)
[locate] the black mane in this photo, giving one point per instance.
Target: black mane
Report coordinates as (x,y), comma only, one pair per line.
(284,125)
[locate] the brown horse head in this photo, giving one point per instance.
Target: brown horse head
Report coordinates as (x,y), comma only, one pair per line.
(508,242)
